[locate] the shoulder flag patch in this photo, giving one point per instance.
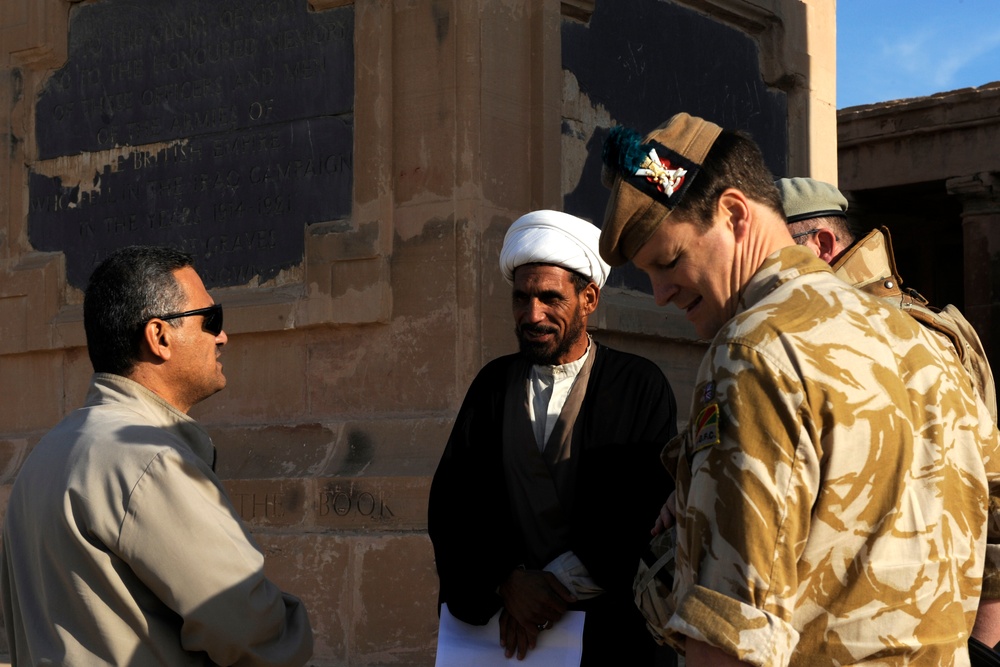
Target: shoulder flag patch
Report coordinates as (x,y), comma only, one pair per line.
(706,426)
(709,392)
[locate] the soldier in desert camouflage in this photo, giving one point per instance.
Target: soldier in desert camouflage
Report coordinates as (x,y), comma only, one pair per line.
(833,479)
(816,213)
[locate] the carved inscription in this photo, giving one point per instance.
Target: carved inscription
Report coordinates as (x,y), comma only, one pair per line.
(259,505)
(267,502)
(218,127)
(237,201)
(145,71)
(348,502)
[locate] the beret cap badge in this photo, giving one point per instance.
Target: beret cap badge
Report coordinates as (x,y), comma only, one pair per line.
(650,167)
(658,171)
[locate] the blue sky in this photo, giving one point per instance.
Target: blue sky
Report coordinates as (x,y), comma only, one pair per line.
(892,49)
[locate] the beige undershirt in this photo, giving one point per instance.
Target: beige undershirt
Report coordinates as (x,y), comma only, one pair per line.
(548,389)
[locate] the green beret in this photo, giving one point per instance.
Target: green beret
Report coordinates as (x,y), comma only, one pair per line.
(805,198)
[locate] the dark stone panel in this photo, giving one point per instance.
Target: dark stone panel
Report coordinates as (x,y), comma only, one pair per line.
(144,71)
(220,127)
(646,60)
(239,201)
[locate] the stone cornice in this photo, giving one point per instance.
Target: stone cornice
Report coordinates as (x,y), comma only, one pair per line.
(919,140)
(948,111)
(979,193)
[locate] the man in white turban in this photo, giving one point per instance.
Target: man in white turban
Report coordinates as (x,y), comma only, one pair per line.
(544,496)
(553,237)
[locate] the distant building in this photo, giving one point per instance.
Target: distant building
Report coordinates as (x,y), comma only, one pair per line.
(929,169)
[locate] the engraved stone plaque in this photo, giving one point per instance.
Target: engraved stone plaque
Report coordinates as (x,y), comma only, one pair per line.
(221,128)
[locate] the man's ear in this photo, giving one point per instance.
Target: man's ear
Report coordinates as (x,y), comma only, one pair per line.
(826,240)
(589,297)
(157,339)
(735,209)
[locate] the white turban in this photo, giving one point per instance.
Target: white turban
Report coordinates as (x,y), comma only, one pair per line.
(552,237)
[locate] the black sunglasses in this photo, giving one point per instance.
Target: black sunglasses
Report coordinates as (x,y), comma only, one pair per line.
(212,323)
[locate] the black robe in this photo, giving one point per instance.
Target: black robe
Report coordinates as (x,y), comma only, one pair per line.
(628,415)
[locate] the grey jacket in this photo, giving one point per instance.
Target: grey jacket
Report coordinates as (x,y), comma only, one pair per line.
(120,547)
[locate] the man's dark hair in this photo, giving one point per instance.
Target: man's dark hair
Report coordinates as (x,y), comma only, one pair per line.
(734,161)
(128,288)
(579,281)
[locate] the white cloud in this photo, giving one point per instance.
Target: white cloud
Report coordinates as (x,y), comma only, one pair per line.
(960,58)
(932,59)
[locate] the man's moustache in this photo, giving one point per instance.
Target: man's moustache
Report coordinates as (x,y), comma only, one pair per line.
(538,330)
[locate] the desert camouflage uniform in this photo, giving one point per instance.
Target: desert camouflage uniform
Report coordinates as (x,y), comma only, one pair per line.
(832,482)
(870,265)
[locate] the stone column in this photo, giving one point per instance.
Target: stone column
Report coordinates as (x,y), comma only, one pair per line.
(980,198)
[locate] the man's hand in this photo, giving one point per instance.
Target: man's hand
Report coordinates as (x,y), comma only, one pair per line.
(987,628)
(699,654)
(667,514)
(532,600)
(514,637)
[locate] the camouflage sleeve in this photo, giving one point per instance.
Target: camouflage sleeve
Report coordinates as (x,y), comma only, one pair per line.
(751,481)
(991,570)
(953,323)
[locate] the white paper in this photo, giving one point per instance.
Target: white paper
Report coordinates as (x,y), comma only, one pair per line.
(462,645)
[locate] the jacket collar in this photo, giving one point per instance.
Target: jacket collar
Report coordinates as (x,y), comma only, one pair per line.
(778,268)
(107,388)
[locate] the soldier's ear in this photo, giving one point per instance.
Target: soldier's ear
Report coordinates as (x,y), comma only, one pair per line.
(734,209)
(826,241)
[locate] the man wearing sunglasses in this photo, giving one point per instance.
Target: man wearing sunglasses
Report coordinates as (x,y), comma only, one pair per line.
(120,546)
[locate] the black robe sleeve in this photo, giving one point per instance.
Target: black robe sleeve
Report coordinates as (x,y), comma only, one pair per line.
(476,544)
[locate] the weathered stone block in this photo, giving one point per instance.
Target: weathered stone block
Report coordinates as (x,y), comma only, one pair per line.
(317,569)
(388,447)
(267,452)
(265,381)
(395,621)
(34,405)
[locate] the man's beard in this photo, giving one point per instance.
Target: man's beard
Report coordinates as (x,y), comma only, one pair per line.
(548,354)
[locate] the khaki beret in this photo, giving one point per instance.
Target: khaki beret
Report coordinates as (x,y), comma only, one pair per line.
(806,198)
(648,178)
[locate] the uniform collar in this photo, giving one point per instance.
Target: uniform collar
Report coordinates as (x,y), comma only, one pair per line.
(869,265)
(778,268)
(107,388)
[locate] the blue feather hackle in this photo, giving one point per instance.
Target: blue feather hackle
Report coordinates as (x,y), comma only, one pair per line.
(624,150)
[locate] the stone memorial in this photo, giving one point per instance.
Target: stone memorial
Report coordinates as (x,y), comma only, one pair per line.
(221,128)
